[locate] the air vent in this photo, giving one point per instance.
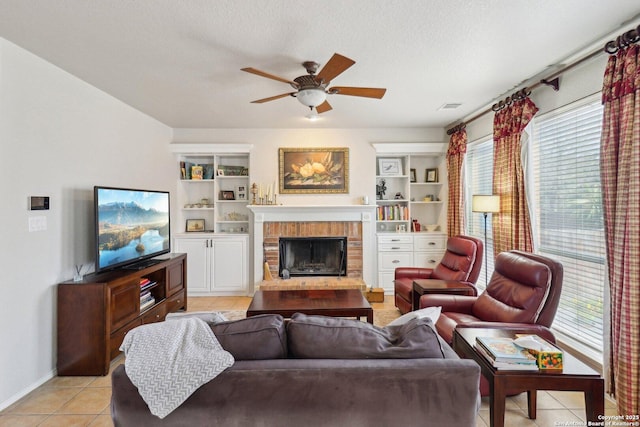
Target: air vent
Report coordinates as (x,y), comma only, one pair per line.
(449,106)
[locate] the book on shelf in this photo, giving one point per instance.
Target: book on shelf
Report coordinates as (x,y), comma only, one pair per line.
(507,366)
(147,285)
(145,297)
(147,304)
(392,213)
(504,350)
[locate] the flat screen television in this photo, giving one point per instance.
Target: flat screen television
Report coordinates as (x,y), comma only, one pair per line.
(131,227)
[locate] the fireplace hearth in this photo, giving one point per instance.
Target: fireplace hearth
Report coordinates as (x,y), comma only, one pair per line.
(312,256)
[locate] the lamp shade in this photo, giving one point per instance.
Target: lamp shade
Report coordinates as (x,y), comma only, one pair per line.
(312,97)
(485,203)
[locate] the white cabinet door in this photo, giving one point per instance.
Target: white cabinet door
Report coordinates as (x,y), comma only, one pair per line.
(230,269)
(198,263)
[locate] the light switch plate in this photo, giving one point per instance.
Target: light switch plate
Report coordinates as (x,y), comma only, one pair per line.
(37,223)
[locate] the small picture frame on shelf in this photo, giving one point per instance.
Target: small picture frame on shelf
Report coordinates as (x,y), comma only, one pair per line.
(412,175)
(389,167)
(227,195)
(194,225)
(431,175)
(196,172)
(242,192)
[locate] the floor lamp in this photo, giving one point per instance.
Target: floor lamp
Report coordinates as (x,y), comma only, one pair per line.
(485,204)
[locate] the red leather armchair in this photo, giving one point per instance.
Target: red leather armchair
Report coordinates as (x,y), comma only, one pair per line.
(524,292)
(462,261)
(522,295)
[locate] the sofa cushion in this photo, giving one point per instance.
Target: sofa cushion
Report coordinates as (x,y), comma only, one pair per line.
(254,338)
(322,337)
(432,313)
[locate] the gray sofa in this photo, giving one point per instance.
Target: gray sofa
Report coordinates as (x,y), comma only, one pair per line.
(317,371)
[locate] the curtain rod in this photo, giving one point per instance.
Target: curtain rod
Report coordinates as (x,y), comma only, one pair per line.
(611,47)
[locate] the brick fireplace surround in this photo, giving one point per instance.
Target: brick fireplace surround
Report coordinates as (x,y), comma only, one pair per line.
(356,222)
(352,230)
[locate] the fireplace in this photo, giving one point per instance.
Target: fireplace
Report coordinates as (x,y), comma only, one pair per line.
(312,256)
(357,222)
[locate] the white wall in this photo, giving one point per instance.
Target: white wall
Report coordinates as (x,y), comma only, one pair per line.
(575,84)
(59,137)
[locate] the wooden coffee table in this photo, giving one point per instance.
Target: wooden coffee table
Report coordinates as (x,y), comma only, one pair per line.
(437,286)
(576,376)
(325,302)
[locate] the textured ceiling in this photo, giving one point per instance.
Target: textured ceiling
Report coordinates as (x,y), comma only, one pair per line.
(180,61)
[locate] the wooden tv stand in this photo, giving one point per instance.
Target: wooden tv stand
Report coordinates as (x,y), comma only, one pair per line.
(95,314)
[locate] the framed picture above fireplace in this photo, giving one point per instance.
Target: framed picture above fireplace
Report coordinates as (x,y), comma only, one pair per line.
(313,170)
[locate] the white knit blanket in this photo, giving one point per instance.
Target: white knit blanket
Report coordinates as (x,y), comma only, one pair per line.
(168,361)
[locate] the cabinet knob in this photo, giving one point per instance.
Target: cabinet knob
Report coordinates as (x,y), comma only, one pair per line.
(432,261)
(178,301)
(395,240)
(395,247)
(432,243)
(157,316)
(395,261)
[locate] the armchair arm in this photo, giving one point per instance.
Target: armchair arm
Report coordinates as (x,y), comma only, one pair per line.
(456,303)
(413,273)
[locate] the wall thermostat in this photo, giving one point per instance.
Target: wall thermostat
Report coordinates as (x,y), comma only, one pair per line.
(39,203)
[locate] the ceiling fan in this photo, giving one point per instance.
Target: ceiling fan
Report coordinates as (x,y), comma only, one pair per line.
(311,89)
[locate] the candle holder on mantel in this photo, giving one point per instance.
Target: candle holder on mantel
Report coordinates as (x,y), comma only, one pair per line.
(254,191)
(261,199)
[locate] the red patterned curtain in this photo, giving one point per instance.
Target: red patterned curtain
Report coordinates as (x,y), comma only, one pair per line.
(455,207)
(620,177)
(512,226)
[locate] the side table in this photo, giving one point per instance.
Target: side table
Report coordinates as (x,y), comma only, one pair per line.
(437,286)
(575,376)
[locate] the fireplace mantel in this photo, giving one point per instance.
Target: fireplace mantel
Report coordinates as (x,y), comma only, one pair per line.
(264,213)
(364,214)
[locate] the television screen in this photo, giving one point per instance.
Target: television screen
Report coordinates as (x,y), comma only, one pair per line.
(131,226)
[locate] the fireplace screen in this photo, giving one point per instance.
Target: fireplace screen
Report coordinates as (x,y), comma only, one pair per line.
(313,256)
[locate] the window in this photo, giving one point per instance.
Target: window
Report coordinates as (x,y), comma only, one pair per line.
(568,217)
(479,180)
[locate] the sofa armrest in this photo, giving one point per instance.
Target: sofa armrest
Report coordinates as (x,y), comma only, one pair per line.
(413,273)
(456,303)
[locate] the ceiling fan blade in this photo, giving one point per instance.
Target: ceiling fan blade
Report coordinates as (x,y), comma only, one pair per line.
(269,76)
(367,92)
(336,66)
(323,108)
(272,98)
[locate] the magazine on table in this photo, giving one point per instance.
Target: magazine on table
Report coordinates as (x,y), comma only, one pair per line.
(504,350)
(510,366)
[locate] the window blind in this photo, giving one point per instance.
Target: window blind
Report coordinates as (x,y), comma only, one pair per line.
(568,215)
(479,180)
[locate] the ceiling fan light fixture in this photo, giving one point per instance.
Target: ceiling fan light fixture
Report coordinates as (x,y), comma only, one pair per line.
(313,115)
(311,97)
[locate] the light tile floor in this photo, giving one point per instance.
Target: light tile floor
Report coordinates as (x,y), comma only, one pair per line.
(84,401)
